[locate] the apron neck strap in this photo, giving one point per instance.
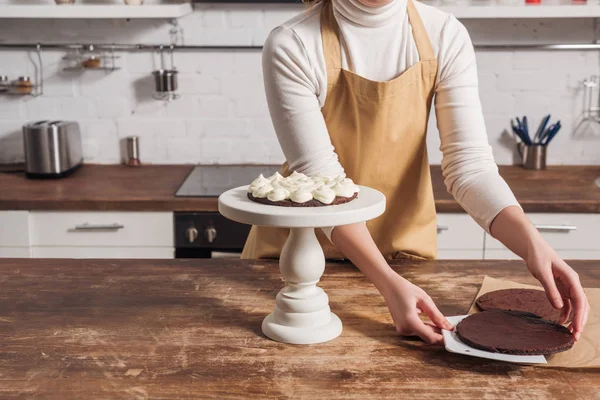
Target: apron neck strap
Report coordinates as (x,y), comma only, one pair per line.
(419,33)
(330,34)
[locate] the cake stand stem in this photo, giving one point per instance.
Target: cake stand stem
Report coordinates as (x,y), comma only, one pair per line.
(302,314)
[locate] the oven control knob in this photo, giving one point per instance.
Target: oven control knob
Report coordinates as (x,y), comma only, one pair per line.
(191,234)
(211,234)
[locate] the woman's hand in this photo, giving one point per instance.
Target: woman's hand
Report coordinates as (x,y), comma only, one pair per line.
(561,284)
(405,302)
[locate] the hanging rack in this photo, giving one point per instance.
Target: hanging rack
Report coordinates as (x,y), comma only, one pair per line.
(155,47)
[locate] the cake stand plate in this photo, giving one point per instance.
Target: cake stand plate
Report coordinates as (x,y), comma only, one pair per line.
(302,314)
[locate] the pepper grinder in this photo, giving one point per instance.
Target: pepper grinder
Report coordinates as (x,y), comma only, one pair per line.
(133,151)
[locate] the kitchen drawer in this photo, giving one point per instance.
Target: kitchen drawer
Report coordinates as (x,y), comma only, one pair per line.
(460,254)
(459,232)
(103,252)
(14,229)
(505,254)
(15,252)
(563,231)
(119,229)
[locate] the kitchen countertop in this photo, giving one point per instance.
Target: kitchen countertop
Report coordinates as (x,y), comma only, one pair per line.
(138,329)
(152,188)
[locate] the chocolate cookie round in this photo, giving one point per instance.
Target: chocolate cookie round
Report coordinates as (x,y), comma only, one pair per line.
(311,203)
(526,300)
(513,332)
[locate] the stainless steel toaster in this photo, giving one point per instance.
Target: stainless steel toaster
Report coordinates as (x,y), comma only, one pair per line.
(52,148)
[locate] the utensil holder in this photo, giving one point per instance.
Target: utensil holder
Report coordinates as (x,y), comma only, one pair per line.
(165,80)
(533,157)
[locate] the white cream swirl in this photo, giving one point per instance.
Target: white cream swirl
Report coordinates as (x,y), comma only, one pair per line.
(278,194)
(263,191)
(324,194)
(300,188)
(258,182)
(301,196)
(343,190)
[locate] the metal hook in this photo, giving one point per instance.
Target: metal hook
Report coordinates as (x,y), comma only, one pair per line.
(162,57)
(172,62)
(40,77)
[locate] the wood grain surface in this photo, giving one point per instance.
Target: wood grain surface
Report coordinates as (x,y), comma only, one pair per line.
(152,188)
(188,329)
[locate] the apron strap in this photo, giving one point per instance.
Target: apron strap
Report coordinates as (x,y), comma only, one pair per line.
(330,34)
(419,33)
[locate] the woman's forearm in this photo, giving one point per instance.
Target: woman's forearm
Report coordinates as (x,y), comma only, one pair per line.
(355,243)
(512,227)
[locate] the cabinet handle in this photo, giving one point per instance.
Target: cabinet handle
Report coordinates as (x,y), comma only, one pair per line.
(441,228)
(556,228)
(88,227)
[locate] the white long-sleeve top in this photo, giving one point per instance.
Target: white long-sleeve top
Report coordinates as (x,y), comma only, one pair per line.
(377,43)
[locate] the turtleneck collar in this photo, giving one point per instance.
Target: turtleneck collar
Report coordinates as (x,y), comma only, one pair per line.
(359,14)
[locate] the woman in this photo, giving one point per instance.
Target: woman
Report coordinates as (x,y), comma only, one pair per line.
(350,84)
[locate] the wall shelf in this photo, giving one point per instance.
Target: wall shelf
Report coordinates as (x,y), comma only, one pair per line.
(113,11)
(522,11)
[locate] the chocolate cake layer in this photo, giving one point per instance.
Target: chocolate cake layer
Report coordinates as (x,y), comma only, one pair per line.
(514,332)
(526,300)
(311,203)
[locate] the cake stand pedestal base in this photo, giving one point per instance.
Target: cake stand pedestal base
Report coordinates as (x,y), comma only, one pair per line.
(302,314)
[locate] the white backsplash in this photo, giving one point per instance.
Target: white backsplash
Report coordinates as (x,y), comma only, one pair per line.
(222,116)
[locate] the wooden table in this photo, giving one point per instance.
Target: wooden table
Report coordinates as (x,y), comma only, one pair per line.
(568,189)
(118,329)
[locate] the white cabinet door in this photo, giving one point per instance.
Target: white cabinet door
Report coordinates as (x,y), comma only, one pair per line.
(505,254)
(563,231)
(459,237)
(15,252)
(107,229)
(103,252)
(14,229)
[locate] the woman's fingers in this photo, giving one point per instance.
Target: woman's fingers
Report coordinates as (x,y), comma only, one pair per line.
(565,312)
(425,332)
(581,308)
(547,280)
(569,280)
(429,307)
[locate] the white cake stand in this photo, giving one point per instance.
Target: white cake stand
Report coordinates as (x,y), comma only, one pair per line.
(302,314)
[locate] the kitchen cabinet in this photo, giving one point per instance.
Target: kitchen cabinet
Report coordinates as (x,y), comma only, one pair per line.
(104,229)
(14,234)
(102,234)
(459,237)
(15,252)
(43,234)
(573,236)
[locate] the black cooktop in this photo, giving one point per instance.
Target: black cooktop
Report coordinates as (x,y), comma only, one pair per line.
(213,180)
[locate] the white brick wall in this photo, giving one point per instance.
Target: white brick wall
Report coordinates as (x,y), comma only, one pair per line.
(222,117)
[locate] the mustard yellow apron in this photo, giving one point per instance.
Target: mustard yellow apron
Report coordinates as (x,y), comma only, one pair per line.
(378,130)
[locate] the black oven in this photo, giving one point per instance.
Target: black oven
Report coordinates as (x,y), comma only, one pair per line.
(204,234)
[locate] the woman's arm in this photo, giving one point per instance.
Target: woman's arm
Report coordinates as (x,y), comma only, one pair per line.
(472,177)
(561,283)
(404,300)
